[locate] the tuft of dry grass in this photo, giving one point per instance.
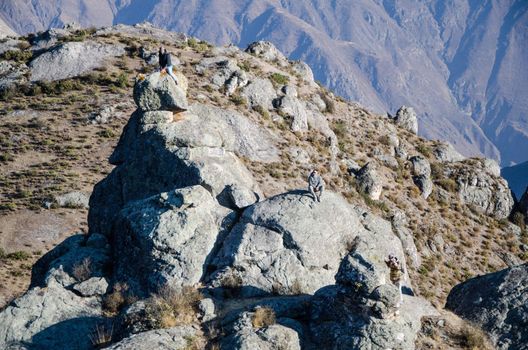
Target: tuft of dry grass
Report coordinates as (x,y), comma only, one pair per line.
(263,317)
(83,270)
(101,336)
(172,307)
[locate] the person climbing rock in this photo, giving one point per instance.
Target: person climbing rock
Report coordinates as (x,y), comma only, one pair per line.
(166,62)
(396,272)
(315,185)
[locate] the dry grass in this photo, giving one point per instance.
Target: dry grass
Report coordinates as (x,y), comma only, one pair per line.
(83,270)
(263,317)
(174,307)
(101,336)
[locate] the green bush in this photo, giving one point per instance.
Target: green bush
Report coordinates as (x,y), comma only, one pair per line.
(424,150)
(122,80)
(17,55)
(279,79)
(18,255)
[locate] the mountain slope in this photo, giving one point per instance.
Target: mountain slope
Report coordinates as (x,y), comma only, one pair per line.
(459,63)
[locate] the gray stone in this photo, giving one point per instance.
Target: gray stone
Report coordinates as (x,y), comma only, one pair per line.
(246,337)
(72,59)
(51,318)
(352,166)
(92,286)
(445,152)
(11,73)
(266,50)
(422,175)
(176,338)
(260,92)
(406,118)
(295,108)
(399,226)
(387,297)
(478,185)
(241,197)
(425,184)
(166,239)
(369,181)
(287,243)
(421,166)
(207,309)
(159,92)
(73,200)
(497,302)
(103,116)
(304,71)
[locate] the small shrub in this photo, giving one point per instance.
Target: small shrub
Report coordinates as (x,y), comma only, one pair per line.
(263,317)
(172,307)
(279,79)
(245,66)
(519,220)
(424,150)
(262,111)
(122,80)
(83,270)
(116,300)
(449,185)
(106,133)
(101,336)
(17,55)
(192,42)
(473,338)
(18,255)
(384,140)
(340,128)
(237,100)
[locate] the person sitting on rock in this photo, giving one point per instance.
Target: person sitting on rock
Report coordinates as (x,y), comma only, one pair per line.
(315,185)
(396,272)
(161,59)
(167,65)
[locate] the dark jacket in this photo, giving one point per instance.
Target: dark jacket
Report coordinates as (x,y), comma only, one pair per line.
(167,60)
(161,59)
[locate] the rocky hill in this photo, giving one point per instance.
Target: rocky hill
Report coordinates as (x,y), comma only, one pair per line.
(383,54)
(203,234)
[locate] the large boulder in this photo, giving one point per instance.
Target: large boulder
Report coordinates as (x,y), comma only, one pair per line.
(498,302)
(156,154)
(363,269)
(479,184)
(246,336)
(260,92)
(445,152)
(287,244)
(176,338)
(422,175)
(167,239)
(406,118)
(72,59)
(266,50)
(50,318)
(159,91)
(290,105)
(369,181)
(340,320)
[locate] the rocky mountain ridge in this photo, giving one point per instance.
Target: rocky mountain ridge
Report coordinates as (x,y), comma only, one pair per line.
(460,64)
(208,193)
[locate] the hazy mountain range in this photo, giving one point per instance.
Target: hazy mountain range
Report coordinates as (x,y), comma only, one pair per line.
(461,64)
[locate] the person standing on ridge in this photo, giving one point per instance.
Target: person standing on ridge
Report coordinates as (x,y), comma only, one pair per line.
(315,185)
(396,272)
(167,65)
